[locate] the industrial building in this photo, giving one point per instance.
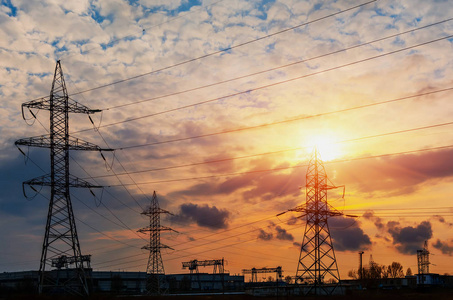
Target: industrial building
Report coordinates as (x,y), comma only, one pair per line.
(129,283)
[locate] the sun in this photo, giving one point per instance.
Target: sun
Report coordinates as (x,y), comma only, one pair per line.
(327,146)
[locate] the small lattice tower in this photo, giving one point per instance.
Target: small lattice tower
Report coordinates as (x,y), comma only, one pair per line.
(61,248)
(423,260)
(155,268)
(317,262)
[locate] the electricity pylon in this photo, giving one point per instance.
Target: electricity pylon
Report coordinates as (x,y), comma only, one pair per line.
(155,267)
(61,248)
(423,263)
(317,260)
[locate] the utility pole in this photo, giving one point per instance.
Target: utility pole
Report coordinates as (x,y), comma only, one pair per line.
(360,265)
(317,260)
(155,267)
(61,248)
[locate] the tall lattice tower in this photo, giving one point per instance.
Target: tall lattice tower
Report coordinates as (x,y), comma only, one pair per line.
(155,268)
(317,263)
(423,261)
(61,248)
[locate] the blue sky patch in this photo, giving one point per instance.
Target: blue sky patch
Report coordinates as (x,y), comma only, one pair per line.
(13,9)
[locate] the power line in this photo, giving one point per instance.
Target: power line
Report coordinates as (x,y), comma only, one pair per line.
(225,49)
(147,28)
(276,68)
(278,151)
(286,120)
(272,84)
(208,243)
(269,153)
(292,167)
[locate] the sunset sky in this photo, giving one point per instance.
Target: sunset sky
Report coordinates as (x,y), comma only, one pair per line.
(217,105)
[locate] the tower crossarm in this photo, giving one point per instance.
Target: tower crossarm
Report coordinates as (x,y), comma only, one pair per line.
(45,180)
(330,212)
(153,210)
(45,103)
(160,246)
(44,141)
(154,228)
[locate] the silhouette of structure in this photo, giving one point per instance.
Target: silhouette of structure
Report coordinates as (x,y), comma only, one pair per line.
(219,265)
(254,272)
(219,268)
(361,265)
(423,262)
(317,260)
(155,267)
(61,248)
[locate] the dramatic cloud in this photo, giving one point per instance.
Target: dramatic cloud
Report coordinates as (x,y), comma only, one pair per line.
(282,234)
(265,236)
(369,215)
(444,247)
(409,239)
(442,220)
(172,104)
(202,215)
(398,174)
(347,235)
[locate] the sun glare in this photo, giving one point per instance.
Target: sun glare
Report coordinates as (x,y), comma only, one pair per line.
(327,147)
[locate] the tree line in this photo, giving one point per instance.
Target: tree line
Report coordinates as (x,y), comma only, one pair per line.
(378,271)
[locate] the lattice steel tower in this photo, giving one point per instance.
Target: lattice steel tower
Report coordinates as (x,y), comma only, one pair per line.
(423,260)
(317,260)
(61,248)
(155,268)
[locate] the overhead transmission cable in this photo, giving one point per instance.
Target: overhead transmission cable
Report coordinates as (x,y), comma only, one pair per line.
(279,151)
(183,15)
(111,167)
(276,68)
(292,167)
(289,120)
(226,49)
(207,243)
(273,84)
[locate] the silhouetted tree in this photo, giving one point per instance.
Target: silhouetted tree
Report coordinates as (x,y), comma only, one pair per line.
(288,279)
(409,272)
(353,274)
(374,271)
(395,270)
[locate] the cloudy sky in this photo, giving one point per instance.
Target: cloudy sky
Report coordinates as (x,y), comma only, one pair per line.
(216,106)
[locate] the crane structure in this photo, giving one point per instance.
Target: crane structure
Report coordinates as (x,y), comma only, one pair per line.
(155,267)
(219,265)
(61,248)
(317,261)
(254,272)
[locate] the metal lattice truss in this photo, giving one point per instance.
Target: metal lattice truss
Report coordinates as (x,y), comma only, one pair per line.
(61,248)
(219,265)
(155,267)
(423,260)
(254,272)
(317,264)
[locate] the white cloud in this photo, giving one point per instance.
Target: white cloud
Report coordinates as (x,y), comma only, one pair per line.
(87,37)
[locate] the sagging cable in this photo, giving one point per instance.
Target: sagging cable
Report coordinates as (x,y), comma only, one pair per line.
(33,188)
(96,128)
(108,167)
(24,154)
